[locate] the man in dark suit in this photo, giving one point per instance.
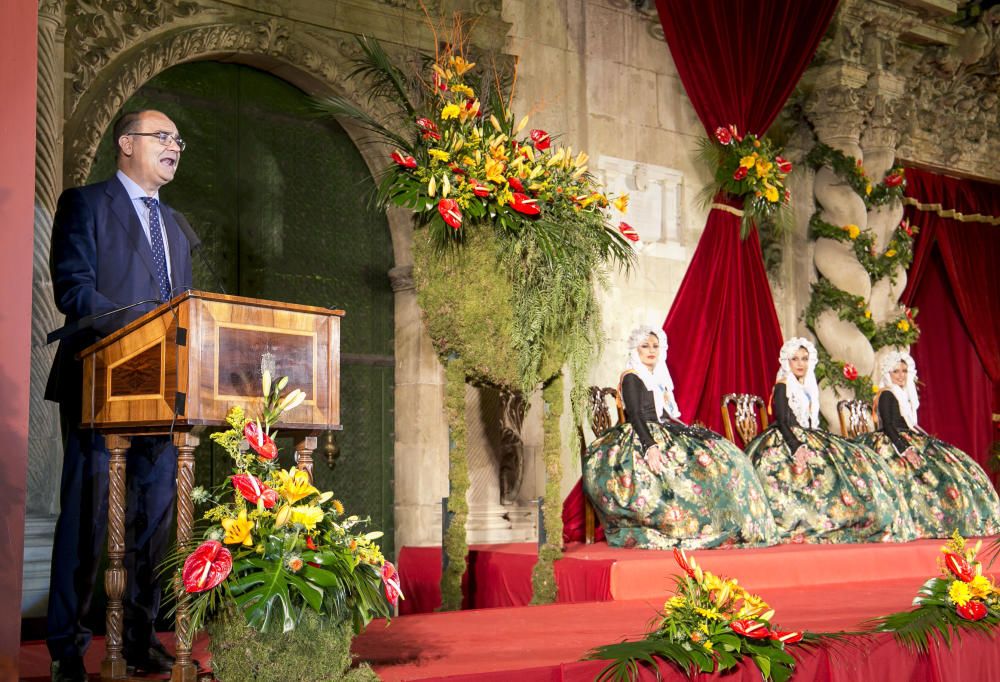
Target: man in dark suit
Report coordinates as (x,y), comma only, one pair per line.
(113,245)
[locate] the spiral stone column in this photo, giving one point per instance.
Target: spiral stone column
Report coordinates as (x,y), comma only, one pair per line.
(838,115)
(879,143)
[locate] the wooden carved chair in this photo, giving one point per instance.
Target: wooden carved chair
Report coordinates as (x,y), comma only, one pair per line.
(855,418)
(600,422)
(750,417)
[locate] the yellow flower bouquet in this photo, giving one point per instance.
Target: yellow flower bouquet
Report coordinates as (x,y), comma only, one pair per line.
(709,625)
(960,598)
(275,546)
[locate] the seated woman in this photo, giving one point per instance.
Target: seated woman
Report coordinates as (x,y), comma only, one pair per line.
(822,488)
(946,489)
(657,483)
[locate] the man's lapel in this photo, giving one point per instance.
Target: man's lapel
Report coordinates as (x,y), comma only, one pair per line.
(124,213)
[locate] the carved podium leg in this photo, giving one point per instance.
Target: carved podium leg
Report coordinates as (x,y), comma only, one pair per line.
(184,670)
(304,449)
(113,665)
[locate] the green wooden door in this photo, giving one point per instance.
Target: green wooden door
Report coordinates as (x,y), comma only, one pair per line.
(279,198)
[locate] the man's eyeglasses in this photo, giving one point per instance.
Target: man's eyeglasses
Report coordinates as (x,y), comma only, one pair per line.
(164,138)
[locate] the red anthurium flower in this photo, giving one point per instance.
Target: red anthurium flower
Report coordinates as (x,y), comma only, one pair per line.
(429,128)
(740,173)
(628,231)
(788,637)
(390,582)
(541,139)
(515,184)
(310,544)
(456,169)
(522,203)
(784,165)
(260,441)
(723,135)
(478,188)
(973,610)
(206,567)
(681,558)
(959,566)
(403,160)
(895,178)
(751,629)
(850,372)
(448,208)
(252,489)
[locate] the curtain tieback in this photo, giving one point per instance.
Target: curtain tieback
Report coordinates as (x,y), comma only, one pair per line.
(738,212)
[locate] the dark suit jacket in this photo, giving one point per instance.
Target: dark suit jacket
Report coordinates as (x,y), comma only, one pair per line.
(101,260)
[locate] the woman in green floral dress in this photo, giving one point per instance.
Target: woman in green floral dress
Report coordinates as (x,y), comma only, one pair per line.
(658,483)
(822,488)
(946,489)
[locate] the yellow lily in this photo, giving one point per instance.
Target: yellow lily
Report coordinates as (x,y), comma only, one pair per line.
(463,90)
(494,171)
(238,530)
(460,65)
(621,203)
(294,485)
(770,191)
(748,162)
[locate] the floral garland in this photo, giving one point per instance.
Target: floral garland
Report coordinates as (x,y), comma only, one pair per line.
(710,624)
(959,599)
(850,308)
(902,331)
(898,253)
(276,546)
(750,168)
(888,190)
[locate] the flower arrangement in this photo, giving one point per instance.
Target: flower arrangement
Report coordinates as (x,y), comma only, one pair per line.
(514,238)
(900,332)
(710,624)
(959,598)
(748,167)
(276,546)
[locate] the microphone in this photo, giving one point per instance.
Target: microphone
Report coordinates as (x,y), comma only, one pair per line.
(87,321)
(195,242)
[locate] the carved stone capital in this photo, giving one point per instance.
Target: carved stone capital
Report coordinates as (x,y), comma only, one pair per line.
(401,278)
(838,107)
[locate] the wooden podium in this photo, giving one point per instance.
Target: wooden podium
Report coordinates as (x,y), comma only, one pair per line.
(177,370)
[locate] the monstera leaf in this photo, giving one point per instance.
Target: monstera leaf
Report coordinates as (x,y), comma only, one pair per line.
(349,590)
(270,596)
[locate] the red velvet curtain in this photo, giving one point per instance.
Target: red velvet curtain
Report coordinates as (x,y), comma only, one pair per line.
(738,60)
(954,281)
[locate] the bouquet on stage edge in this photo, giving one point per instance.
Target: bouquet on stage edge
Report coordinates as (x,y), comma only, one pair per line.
(710,624)
(750,168)
(960,598)
(278,546)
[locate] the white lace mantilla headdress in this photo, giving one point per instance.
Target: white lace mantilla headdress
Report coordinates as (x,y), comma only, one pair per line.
(905,395)
(658,381)
(803,397)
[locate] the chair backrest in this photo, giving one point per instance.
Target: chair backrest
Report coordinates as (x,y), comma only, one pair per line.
(855,418)
(600,417)
(750,417)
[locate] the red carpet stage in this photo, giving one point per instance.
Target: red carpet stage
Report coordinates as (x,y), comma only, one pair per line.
(611,594)
(500,575)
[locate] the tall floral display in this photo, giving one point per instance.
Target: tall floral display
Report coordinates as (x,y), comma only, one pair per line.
(511,240)
(283,573)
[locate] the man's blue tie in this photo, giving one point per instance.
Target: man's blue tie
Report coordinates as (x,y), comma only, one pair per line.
(159,253)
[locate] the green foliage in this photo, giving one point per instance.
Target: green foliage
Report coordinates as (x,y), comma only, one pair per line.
(455,547)
(901,332)
(830,372)
(543,578)
(314,652)
(851,308)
